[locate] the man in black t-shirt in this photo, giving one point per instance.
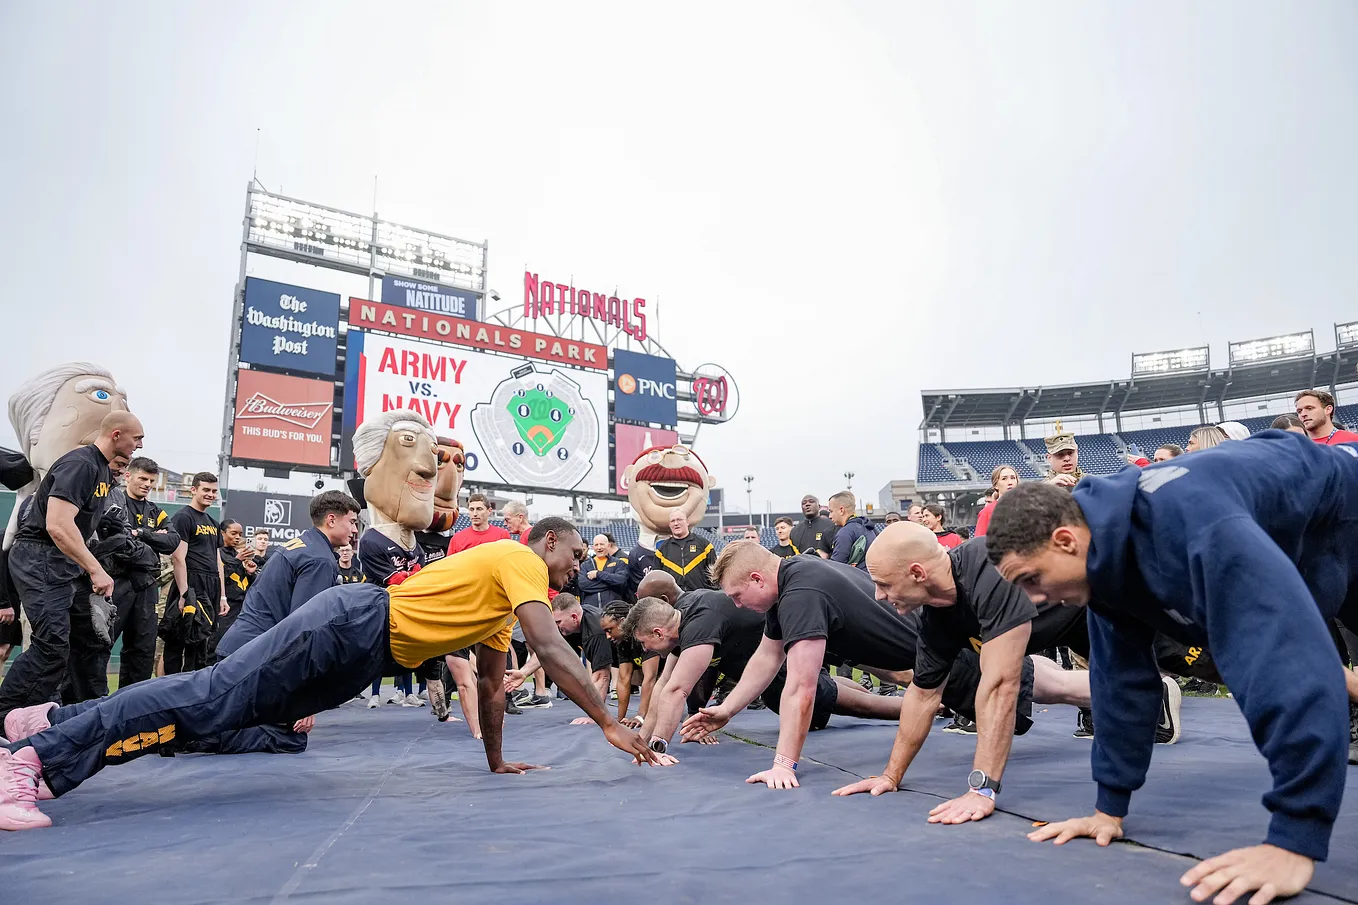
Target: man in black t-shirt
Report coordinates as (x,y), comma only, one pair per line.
(198,566)
(703,634)
(636,665)
(51,564)
(963,605)
(350,571)
(816,534)
(815,611)
(785,547)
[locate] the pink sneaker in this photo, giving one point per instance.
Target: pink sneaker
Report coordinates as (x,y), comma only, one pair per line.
(20,774)
(25,721)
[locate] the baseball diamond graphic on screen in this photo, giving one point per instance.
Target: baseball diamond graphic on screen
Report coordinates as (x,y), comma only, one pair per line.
(538,428)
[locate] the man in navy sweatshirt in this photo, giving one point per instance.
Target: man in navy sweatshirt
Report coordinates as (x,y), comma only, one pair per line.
(1247,549)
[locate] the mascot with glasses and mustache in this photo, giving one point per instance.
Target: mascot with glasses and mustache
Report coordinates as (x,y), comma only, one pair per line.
(663,482)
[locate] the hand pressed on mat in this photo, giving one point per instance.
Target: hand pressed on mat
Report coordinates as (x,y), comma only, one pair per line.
(517,767)
(706,721)
(1274,872)
(963,809)
(874,785)
(776,778)
(1102,828)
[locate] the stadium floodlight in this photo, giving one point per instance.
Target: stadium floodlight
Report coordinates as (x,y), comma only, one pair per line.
(305,230)
(1291,345)
(1346,335)
(1151,363)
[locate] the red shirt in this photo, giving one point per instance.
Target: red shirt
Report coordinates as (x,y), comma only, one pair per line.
(1338,435)
(469,537)
(949,539)
(982,521)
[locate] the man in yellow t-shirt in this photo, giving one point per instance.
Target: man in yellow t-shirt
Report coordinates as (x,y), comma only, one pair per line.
(317,658)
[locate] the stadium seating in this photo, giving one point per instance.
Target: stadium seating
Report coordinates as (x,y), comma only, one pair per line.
(931,467)
(987,455)
(1099,453)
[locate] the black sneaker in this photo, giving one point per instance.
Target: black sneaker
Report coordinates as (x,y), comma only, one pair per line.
(1168,728)
(510,706)
(1084,724)
(534,701)
(757,704)
(960,725)
(521,697)
(866,681)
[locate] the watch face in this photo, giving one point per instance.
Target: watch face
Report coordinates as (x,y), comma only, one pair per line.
(977,779)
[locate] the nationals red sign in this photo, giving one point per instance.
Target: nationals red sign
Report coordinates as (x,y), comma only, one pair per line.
(367,315)
(282,419)
(545,297)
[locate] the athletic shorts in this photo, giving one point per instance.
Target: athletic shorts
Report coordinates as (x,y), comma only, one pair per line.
(965,677)
(463,654)
(827,694)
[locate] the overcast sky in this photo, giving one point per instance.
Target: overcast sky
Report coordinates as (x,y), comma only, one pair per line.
(843,203)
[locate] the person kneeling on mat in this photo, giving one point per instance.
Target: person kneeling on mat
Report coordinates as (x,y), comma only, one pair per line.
(963,602)
(810,605)
(317,658)
(1247,549)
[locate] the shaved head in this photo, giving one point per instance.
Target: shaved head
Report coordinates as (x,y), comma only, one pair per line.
(904,542)
(910,568)
(659,584)
(119,421)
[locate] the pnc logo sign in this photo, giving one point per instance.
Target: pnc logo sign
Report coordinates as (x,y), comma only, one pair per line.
(645,386)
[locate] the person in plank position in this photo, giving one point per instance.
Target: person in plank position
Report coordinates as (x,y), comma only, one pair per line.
(317,658)
(963,603)
(810,606)
(1246,549)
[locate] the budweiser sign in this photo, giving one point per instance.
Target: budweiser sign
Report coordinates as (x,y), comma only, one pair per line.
(266,429)
(302,414)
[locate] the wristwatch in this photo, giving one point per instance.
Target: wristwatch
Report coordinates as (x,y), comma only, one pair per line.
(659,745)
(982,784)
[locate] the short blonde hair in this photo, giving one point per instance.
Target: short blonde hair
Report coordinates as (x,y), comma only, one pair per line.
(739,558)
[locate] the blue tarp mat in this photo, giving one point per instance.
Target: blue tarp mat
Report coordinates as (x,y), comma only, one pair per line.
(391,806)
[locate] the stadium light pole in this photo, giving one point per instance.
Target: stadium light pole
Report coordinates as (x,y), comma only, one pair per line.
(749,496)
(848,479)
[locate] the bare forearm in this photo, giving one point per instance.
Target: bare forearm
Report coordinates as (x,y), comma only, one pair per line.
(181,574)
(490,700)
(624,688)
(668,713)
(917,716)
(759,672)
(531,665)
(600,679)
(996,703)
(68,540)
(648,679)
(794,720)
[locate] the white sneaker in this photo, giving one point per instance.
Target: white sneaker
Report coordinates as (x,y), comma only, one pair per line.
(397,698)
(374,702)
(412,701)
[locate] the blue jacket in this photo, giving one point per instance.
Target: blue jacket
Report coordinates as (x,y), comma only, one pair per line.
(609,585)
(639,562)
(297,572)
(852,542)
(1248,548)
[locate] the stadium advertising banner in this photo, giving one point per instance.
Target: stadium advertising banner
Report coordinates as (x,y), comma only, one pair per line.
(281,516)
(282,419)
(630,441)
(418,295)
(522,423)
(644,388)
(366,315)
(289,327)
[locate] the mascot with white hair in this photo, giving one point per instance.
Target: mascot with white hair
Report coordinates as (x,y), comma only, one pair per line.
(410,484)
(57,411)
